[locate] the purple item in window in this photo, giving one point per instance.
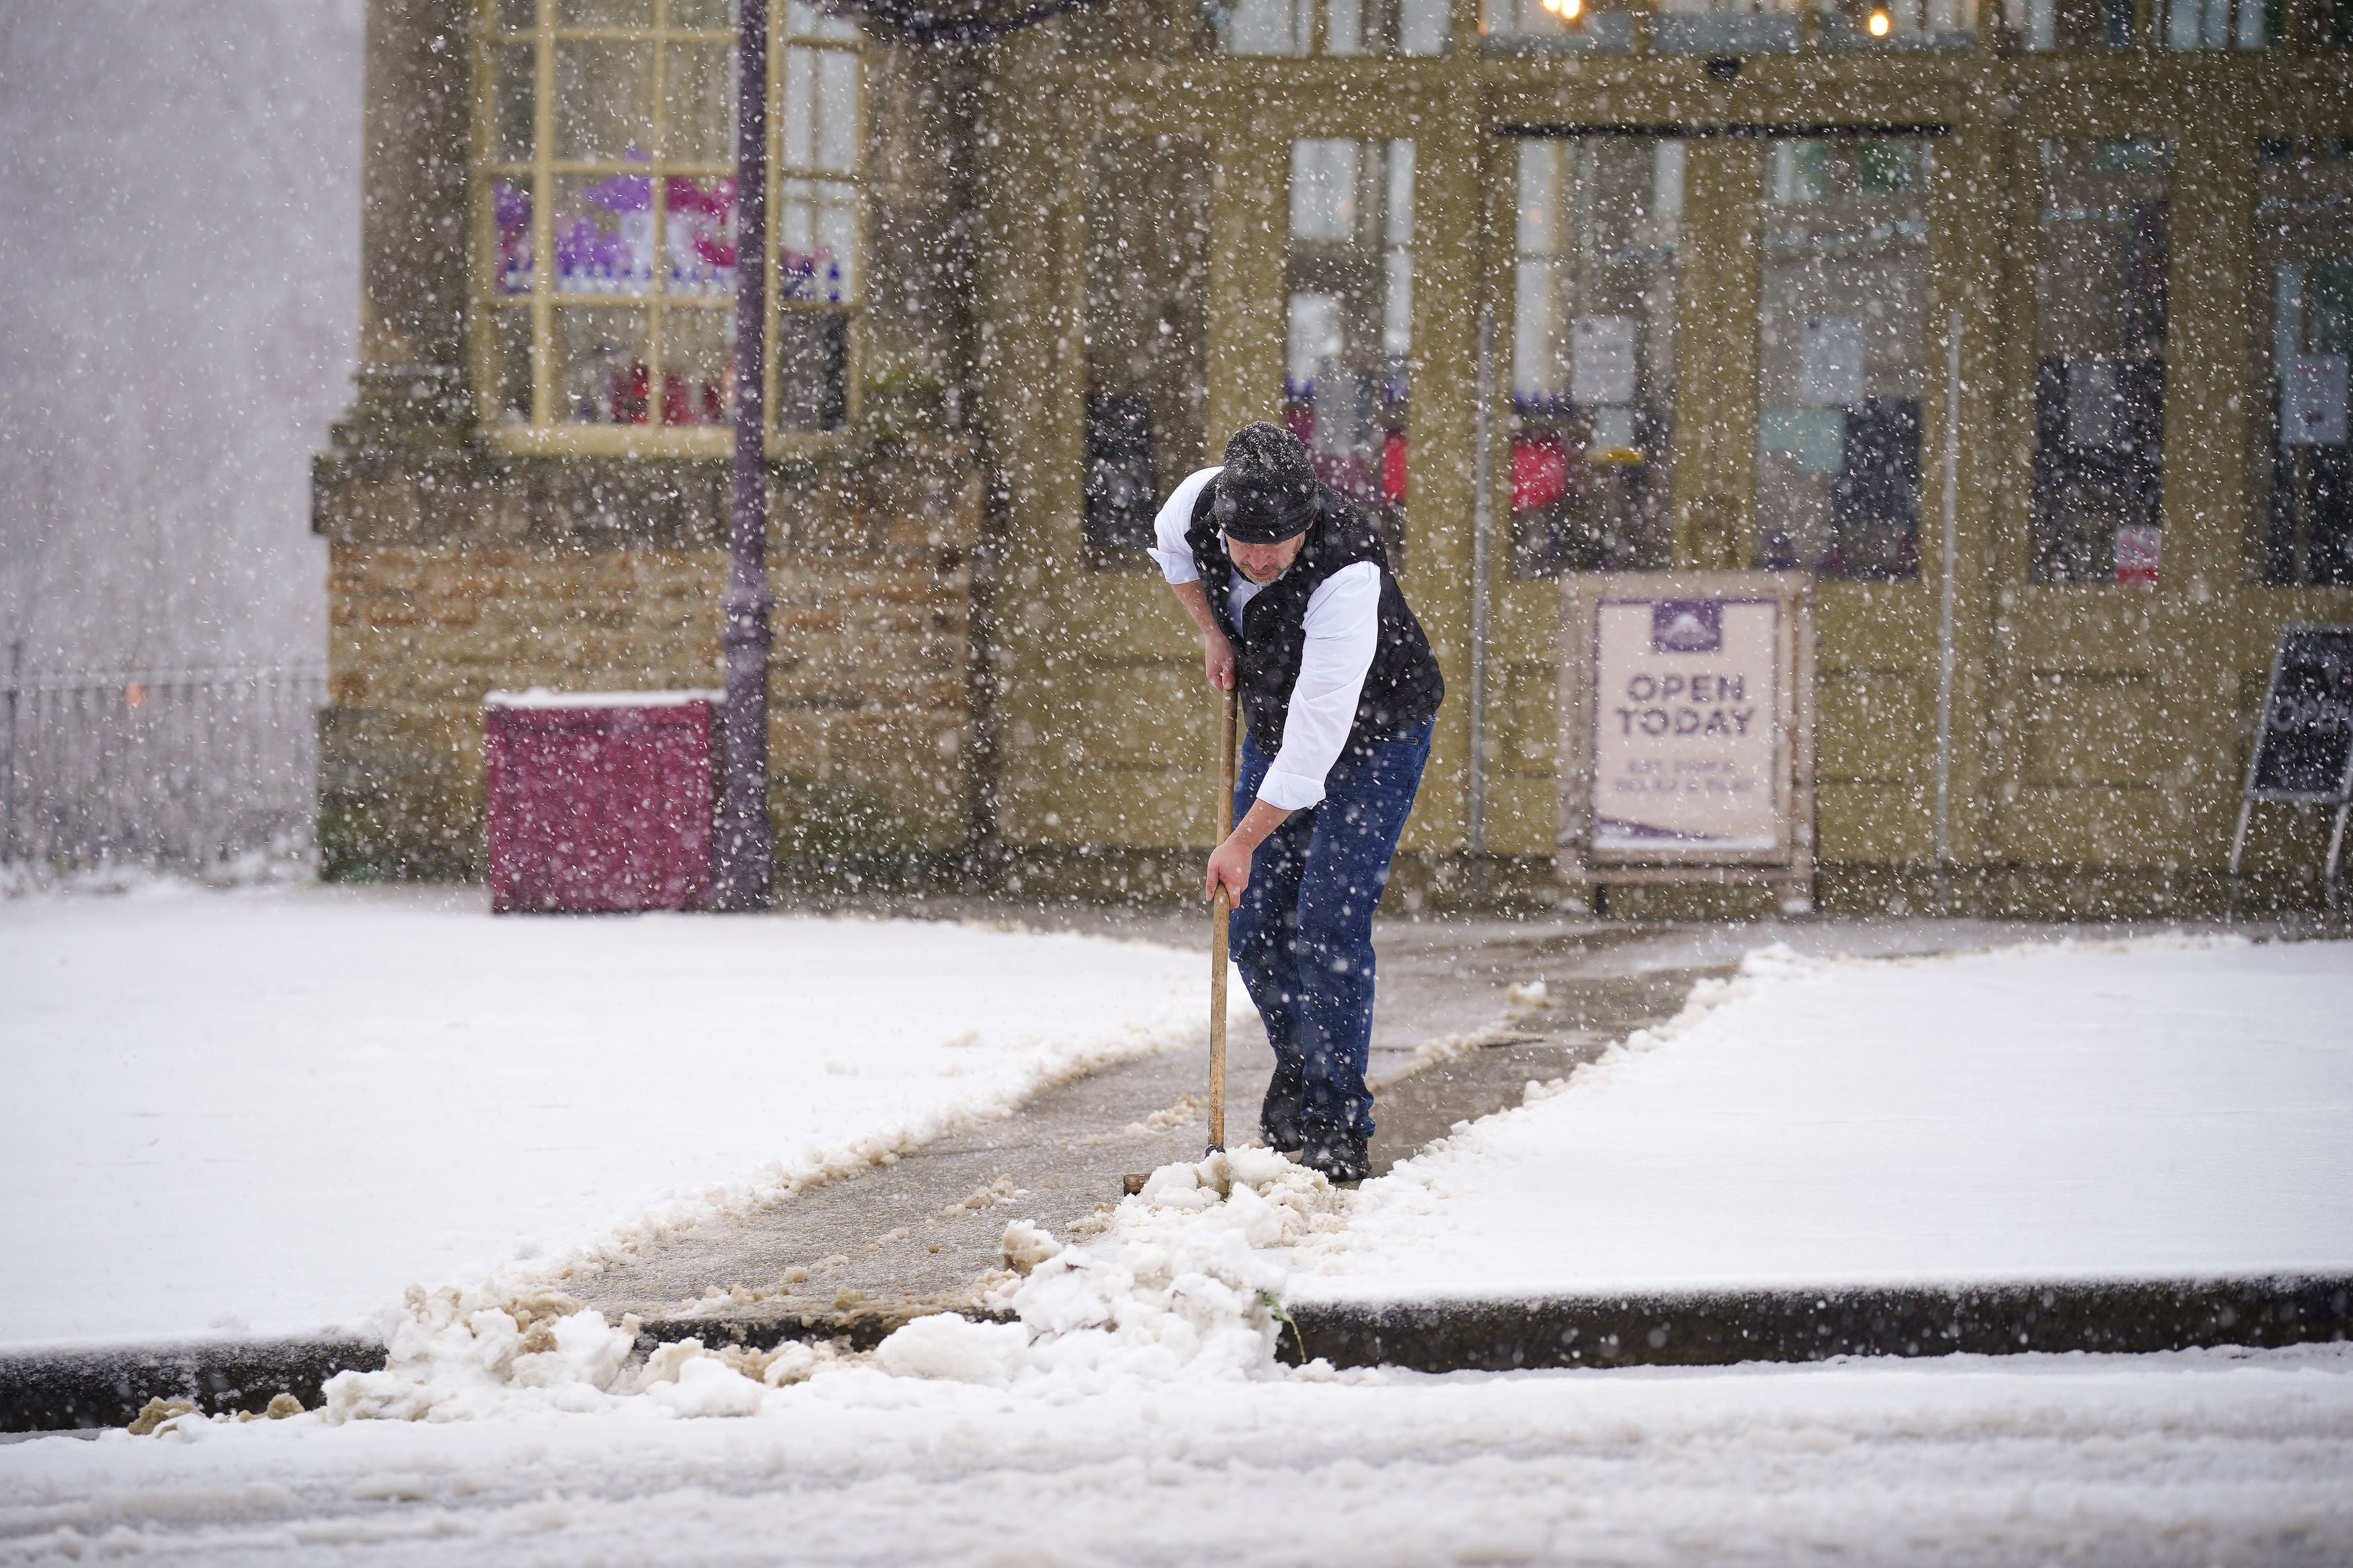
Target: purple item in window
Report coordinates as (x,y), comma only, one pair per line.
(510,206)
(511,209)
(624,193)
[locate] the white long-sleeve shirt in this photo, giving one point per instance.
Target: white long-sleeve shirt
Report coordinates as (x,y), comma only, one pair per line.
(1343,624)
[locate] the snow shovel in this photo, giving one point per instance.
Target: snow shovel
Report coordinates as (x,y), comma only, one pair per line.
(1133,1182)
(1218,913)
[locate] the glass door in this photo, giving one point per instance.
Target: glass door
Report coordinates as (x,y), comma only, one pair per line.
(1717,350)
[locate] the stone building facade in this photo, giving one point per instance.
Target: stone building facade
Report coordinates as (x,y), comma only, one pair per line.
(1717,260)
(463,562)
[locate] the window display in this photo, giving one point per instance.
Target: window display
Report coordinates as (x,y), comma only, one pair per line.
(1349,284)
(1332,26)
(1844,280)
(2301,482)
(1593,354)
(2103,225)
(610,228)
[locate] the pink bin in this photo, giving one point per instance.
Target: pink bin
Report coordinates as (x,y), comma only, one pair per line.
(599,800)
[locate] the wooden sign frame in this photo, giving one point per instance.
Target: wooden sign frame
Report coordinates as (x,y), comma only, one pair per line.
(2339,793)
(1789,864)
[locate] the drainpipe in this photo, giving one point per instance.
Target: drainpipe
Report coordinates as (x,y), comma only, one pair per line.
(1482,507)
(1945,614)
(745,846)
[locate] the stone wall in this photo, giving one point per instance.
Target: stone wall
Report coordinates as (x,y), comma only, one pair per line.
(439,592)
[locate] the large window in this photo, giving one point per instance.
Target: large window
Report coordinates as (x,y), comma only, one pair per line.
(608,261)
(2301,484)
(1333,27)
(2101,246)
(1900,25)
(1732,26)
(1604,27)
(1349,284)
(1593,354)
(2072,24)
(1727,27)
(1147,334)
(2222,24)
(1845,281)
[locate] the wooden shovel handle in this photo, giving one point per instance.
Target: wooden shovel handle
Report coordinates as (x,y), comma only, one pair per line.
(1218,909)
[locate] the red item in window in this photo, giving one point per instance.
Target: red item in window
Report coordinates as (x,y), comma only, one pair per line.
(687,195)
(688,401)
(1539,471)
(2136,552)
(1393,468)
(632,393)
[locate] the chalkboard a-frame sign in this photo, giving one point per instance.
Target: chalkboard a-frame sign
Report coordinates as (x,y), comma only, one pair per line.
(2304,745)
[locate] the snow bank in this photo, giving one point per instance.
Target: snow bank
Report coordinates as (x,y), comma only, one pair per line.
(275,1110)
(1181,1282)
(2169,1107)
(1180,1286)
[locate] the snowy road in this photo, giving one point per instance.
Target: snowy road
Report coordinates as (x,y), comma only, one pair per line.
(2191,1459)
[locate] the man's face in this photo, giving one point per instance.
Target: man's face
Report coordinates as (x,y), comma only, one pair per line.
(1265,563)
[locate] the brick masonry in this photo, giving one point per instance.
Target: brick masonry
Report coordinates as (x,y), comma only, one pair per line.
(440,592)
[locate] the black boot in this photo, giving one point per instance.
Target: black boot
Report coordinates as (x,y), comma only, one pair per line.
(1343,1160)
(1278,1117)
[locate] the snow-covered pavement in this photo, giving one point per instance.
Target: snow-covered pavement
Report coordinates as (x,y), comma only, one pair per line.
(2170,1107)
(276,1109)
(2196,1459)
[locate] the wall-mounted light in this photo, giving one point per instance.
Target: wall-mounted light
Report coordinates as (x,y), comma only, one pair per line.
(1879,22)
(1567,10)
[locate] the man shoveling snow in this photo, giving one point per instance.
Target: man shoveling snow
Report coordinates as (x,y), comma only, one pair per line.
(1300,614)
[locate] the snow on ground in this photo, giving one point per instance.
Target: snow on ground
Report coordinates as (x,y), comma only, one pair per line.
(2196,1459)
(1132,1414)
(276,1109)
(1130,1410)
(2169,1107)
(1180,1284)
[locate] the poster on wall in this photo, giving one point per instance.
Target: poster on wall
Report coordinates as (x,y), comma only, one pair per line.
(1687,730)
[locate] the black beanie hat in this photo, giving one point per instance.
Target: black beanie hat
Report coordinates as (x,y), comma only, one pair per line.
(1267,493)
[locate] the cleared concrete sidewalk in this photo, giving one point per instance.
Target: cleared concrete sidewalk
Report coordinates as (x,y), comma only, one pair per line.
(1451,1045)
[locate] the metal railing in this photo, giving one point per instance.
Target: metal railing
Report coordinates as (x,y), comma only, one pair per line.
(181,768)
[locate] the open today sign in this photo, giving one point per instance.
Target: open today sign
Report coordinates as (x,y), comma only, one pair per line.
(1686,750)
(1686,737)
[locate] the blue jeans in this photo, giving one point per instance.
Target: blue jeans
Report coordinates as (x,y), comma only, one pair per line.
(1303,933)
